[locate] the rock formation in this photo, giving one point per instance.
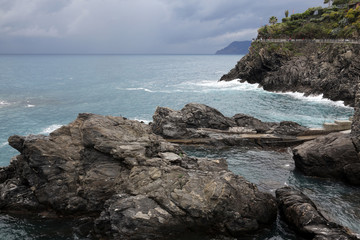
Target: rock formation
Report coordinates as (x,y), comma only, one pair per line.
(310,68)
(207,125)
(124,182)
(335,155)
(302,214)
(330,156)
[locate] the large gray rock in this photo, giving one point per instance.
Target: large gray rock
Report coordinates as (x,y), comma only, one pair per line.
(302,214)
(331,156)
(201,121)
(180,124)
(124,182)
(250,122)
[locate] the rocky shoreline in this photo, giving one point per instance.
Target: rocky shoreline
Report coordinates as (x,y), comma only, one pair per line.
(122,181)
(118,179)
(309,68)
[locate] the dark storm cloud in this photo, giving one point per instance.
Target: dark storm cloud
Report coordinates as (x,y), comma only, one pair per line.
(134,26)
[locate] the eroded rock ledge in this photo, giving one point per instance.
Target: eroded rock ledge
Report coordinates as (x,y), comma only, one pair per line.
(310,68)
(198,123)
(125,182)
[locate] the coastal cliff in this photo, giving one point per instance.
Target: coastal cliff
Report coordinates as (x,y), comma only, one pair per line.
(308,67)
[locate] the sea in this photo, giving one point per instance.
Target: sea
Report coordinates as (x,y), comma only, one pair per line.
(40,93)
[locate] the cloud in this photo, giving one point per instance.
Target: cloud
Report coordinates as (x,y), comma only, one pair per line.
(134,26)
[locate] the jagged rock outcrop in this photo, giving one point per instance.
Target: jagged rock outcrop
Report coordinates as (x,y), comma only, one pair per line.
(124,182)
(201,124)
(310,68)
(302,214)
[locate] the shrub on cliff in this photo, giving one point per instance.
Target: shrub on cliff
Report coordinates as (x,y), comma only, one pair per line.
(334,22)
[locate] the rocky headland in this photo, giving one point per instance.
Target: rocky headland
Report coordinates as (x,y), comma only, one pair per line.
(312,68)
(121,181)
(307,67)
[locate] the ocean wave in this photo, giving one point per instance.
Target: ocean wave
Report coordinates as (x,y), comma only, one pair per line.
(215,85)
(137,89)
(318,98)
(3,144)
(200,87)
(142,120)
(50,129)
(4,103)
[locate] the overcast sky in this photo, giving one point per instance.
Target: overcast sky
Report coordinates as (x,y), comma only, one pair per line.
(135,26)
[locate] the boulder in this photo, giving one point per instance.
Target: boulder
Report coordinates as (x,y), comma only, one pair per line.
(121,181)
(302,214)
(330,156)
(289,128)
(181,124)
(250,122)
(201,121)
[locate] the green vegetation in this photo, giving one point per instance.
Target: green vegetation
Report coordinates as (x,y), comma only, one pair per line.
(284,48)
(339,20)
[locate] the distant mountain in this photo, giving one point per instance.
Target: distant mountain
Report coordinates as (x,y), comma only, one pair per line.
(237,47)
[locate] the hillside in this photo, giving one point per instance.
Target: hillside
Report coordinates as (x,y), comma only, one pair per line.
(237,47)
(340,20)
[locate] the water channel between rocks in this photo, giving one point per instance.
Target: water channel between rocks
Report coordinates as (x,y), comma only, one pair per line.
(274,169)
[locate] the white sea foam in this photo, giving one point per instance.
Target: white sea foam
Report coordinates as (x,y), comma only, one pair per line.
(214,85)
(4,103)
(50,129)
(318,98)
(138,89)
(142,120)
(30,105)
(3,144)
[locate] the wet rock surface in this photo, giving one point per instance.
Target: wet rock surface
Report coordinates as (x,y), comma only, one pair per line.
(122,181)
(302,214)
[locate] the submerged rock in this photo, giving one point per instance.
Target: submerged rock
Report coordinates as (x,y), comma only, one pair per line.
(124,182)
(302,214)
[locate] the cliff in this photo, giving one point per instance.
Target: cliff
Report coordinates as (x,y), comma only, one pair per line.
(311,68)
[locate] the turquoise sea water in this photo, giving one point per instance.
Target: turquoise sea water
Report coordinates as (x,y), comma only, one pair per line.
(39,93)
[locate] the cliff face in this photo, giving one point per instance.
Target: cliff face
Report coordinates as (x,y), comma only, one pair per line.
(311,68)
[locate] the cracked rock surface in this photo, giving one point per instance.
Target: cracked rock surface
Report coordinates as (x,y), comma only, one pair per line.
(124,182)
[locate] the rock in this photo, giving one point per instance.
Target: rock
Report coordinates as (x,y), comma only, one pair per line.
(250,122)
(122,181)
(200,121)
(331,156)
(310,68)
(180,124)
(302,214)
(289,128)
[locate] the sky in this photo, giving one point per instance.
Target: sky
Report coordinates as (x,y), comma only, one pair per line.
(134,26)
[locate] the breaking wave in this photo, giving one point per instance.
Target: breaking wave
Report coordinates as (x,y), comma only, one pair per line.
(50,129)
